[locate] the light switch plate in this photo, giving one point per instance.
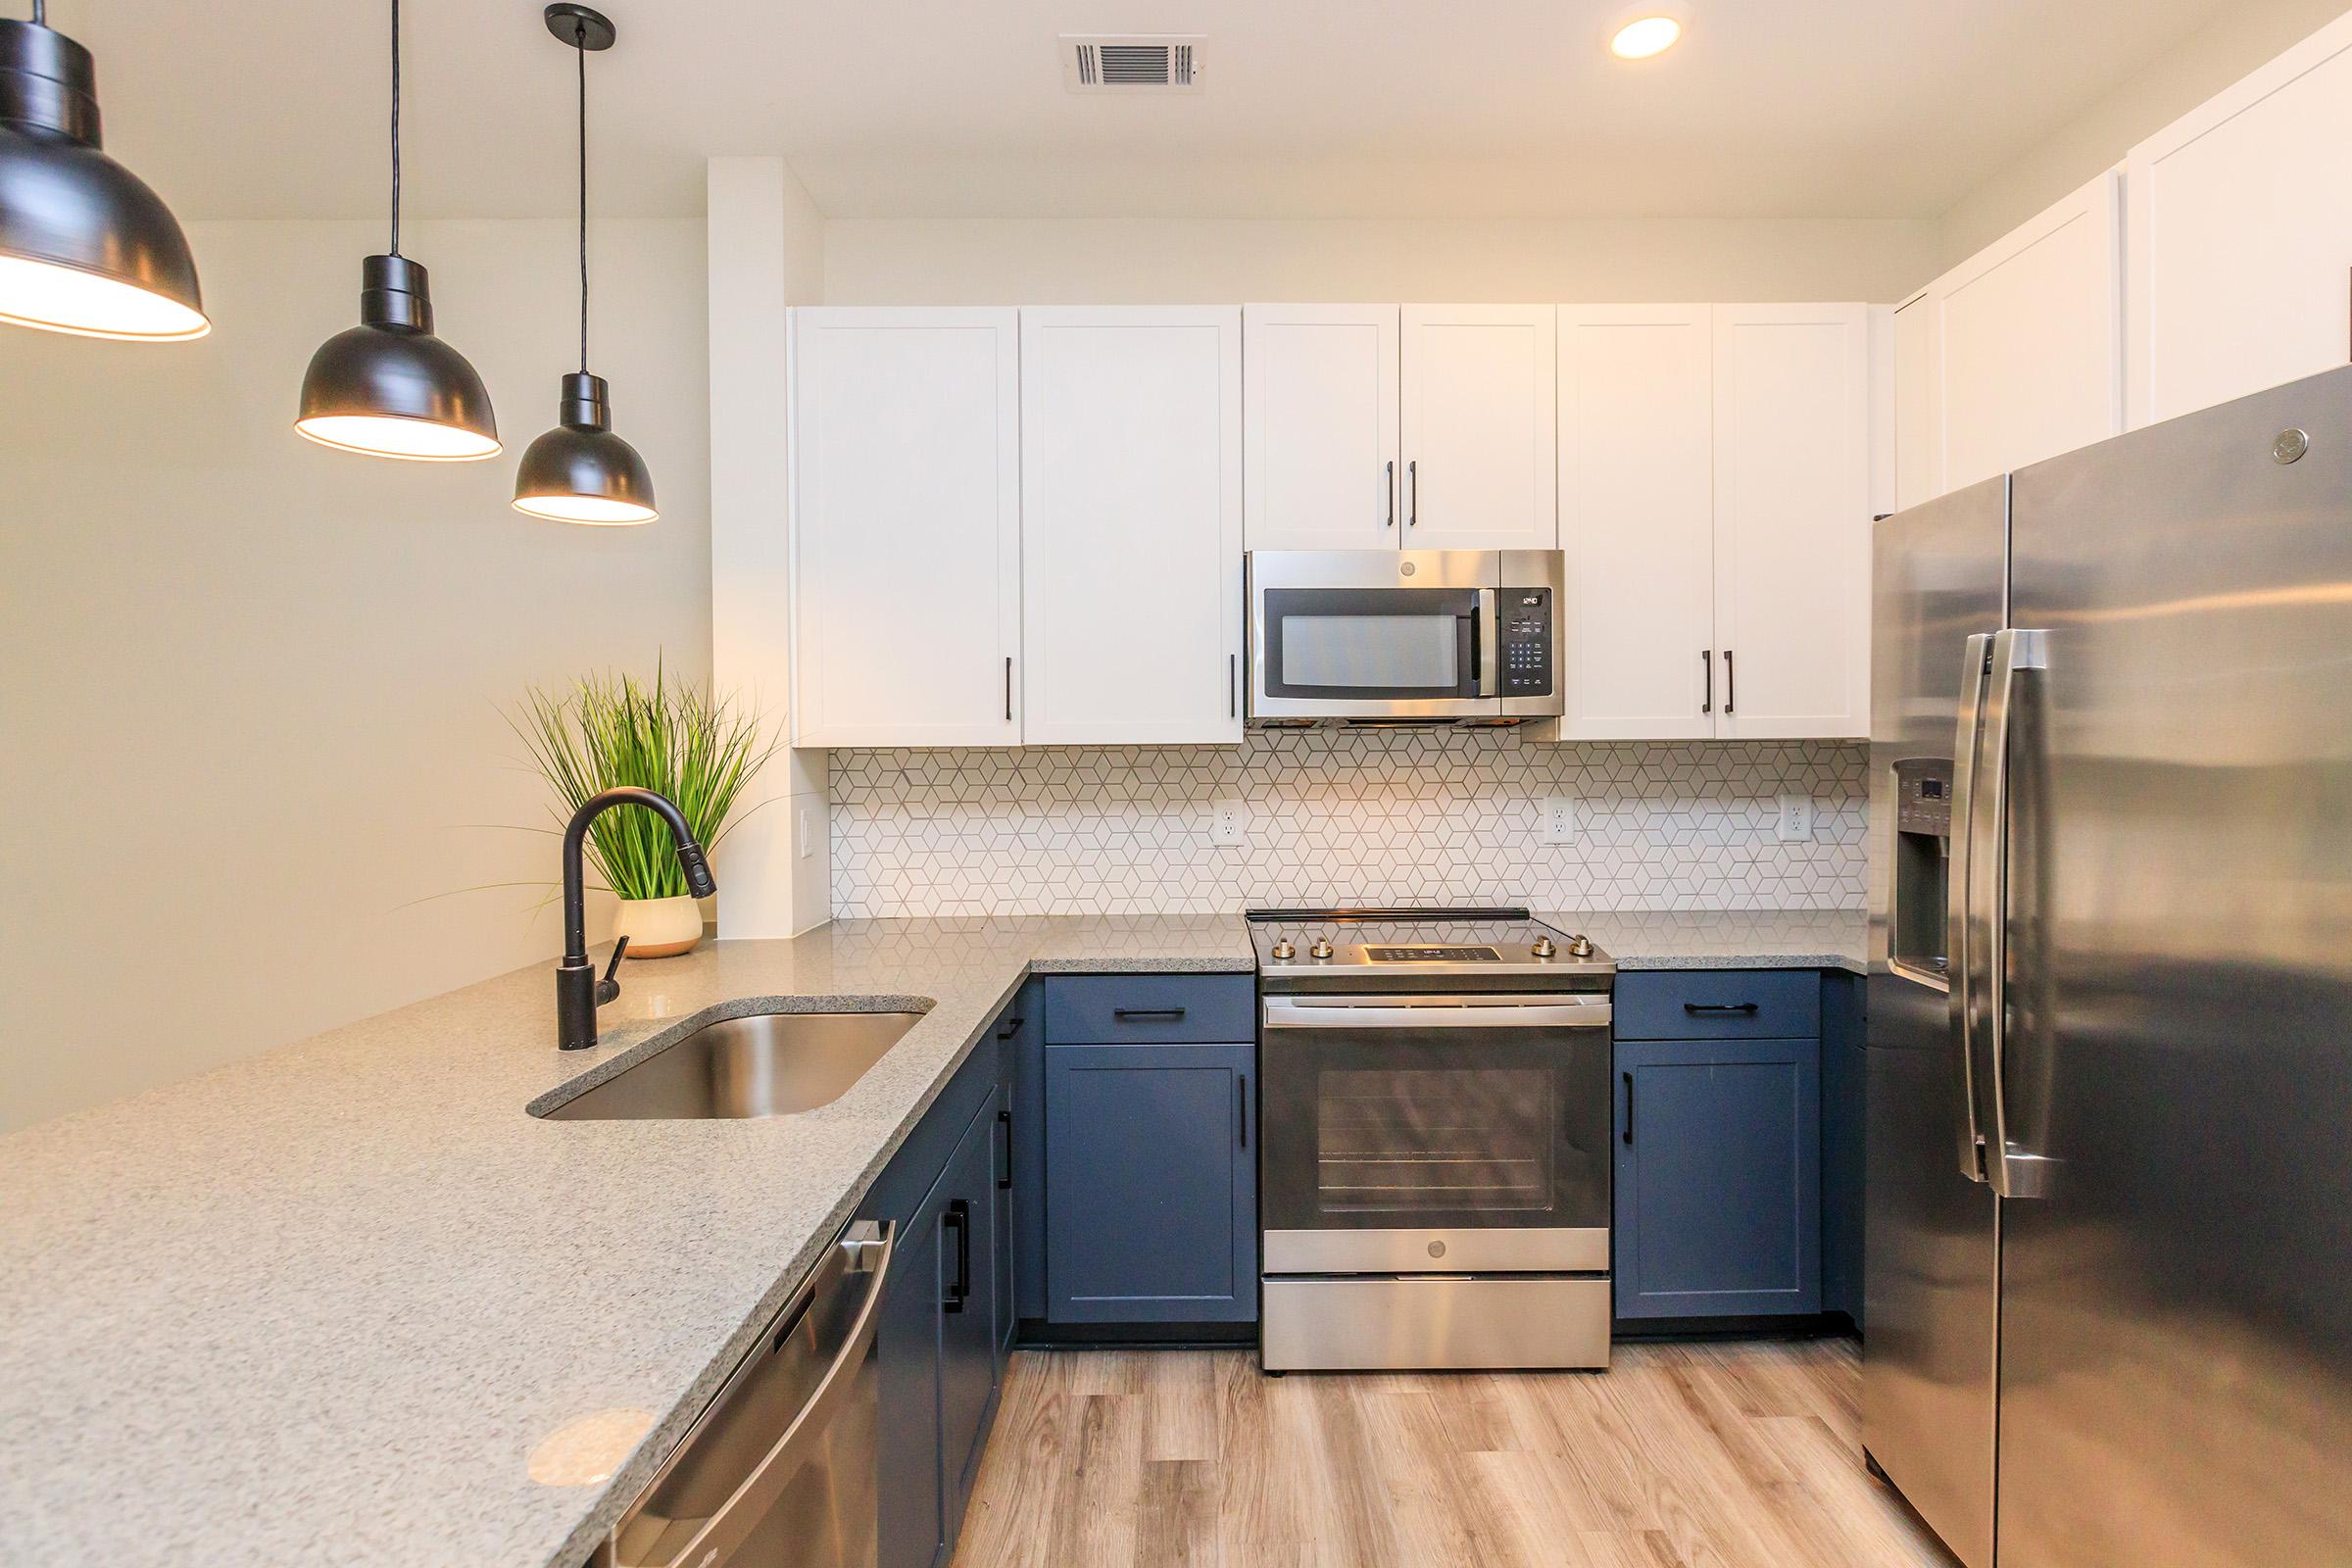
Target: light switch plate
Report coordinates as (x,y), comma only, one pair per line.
(1796,817)
(1558,824)
(1225,822)
(807,837)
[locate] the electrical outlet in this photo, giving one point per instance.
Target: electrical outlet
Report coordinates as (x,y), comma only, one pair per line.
(1225,822)
(807,835)
(1796,817)
(1558,825)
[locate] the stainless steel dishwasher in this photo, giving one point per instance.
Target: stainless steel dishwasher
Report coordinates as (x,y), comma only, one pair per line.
(779,1472)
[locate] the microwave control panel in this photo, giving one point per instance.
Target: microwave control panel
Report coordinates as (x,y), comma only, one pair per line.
(1525,621)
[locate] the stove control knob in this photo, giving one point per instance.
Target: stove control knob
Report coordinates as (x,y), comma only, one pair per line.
(1284,952)
(1580,945)
(1321,948)
(1543,947)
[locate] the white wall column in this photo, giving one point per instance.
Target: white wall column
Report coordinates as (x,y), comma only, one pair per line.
(767,253)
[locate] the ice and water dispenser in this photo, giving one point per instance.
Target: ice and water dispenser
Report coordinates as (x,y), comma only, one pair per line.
(1923,858)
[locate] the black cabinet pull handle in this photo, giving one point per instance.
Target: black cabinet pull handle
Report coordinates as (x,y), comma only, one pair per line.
(960,1215)
(1004,1179)
(1706,660)
(1147,1012)
(1389,485)
(1243,1097)
(1233,685)
(1412,505)
(1008,688)
(1011,1027)
(1731,684)
(1702,1009)
(1628,1134)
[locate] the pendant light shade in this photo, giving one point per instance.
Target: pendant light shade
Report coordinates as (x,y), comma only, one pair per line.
(580,471)
(388,387)
(85,247)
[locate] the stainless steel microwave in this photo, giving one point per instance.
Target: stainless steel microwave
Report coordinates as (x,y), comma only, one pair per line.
(1404,636)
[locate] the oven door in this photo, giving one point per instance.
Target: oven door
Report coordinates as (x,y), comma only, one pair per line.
(1435,1134)
(1373,634)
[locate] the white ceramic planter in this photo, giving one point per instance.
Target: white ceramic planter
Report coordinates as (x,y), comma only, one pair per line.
(660,928)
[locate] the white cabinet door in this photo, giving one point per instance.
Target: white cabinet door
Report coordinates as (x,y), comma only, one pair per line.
(1479,435)
(1319,457)
(1793,521)
(1918,431)
(2029,349)
(906,527)
(2241,245)
(1131,553)
(1638,521)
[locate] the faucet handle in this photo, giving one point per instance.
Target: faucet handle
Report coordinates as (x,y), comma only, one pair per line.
(610,987)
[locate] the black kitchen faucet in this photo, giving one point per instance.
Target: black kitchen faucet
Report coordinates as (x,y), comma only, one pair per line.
(578,991)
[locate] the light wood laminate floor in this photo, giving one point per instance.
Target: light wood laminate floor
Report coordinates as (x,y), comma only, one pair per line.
(1681,1456)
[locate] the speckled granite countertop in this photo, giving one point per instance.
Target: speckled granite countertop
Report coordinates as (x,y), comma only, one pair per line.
(321,1305)
(1725,939)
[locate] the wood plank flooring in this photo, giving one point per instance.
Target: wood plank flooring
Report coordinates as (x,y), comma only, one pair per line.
(1681,1456)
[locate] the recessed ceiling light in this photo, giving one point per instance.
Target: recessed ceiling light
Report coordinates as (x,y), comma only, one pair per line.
(1651,36)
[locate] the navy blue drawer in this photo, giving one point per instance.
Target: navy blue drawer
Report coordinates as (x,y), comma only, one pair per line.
(1150,1009)
(1719,1004)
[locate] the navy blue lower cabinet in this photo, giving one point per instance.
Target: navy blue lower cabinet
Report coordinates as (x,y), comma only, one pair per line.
(1023,1029)
(1718,1202)
(1151,1184)
(970,1350)
(913,1523)
(1842,1166)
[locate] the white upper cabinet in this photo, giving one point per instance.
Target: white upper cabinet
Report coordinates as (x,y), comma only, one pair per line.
(1319,447)
(1479,428)
(2240,240)
(1637,519)
(1917,433)
(1792,400)
(2016,355)
(2028,341)
(906,527)
(1131,556)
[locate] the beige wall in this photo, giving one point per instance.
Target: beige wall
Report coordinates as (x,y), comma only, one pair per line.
(253,686)
(1208,261)
(2245,35)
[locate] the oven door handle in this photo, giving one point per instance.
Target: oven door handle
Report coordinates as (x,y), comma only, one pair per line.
(1433,1012)
(1483,675)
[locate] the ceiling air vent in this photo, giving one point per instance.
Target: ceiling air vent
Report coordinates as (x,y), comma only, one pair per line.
(1131,63)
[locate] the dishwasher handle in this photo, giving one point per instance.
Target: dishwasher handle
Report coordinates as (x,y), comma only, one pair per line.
(646,1537)
(1572,1010)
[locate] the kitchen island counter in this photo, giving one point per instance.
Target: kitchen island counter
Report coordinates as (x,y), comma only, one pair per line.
(324,1304)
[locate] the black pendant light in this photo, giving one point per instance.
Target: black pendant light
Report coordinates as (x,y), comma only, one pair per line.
(85,247)
(580,471)
(387,386)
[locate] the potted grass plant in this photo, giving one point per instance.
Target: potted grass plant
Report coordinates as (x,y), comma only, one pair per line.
(671,737)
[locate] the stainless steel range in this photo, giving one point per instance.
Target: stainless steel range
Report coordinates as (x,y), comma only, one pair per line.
(1434,1177)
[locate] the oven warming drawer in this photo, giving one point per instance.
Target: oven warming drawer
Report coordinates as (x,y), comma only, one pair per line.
(1434,1322)
(1562,1249)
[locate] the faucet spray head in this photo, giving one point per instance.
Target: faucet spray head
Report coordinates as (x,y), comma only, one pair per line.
(697,869)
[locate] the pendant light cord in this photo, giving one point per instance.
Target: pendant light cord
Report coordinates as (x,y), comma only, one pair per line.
(396,128)
(40,13)
(579,35)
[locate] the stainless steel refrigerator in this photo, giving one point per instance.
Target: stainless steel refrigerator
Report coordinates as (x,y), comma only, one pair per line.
(2108,1241)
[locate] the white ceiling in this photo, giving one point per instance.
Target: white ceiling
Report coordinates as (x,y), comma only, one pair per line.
(1314,108)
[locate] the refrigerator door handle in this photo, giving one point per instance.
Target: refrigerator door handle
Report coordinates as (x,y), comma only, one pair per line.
(1976,663)
(2014,1172)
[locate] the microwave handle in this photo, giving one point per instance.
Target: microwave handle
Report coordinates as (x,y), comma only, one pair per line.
(1482,644)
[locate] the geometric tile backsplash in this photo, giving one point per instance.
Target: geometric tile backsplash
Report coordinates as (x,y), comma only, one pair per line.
(1345,816)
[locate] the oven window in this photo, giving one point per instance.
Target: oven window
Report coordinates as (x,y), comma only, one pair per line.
(1381,653)
(1419,1140)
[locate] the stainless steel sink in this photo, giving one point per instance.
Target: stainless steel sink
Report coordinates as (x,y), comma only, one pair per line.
(769,1064)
